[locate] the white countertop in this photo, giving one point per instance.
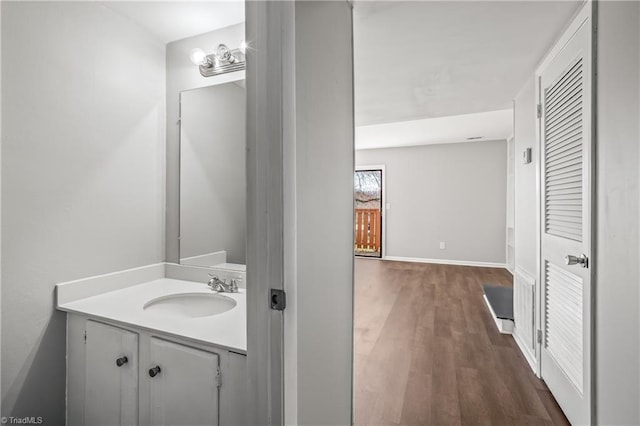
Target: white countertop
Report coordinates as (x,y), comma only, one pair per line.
(227,330)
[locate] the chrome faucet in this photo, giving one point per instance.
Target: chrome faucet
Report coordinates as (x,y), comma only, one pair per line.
(221,286)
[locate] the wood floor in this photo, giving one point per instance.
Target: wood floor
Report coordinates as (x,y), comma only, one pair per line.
(427,352)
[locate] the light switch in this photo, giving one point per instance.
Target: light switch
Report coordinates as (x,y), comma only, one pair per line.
(388,206)
(526,156)
(443,245)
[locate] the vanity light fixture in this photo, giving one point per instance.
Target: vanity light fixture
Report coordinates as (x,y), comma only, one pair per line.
(224,60)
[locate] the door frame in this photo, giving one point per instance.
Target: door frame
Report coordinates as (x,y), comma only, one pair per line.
(295,129)
(383,204)
(269,32)
(588,11)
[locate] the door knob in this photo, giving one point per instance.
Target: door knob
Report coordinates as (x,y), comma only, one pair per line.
(121,361)
(153,372)
(581,260)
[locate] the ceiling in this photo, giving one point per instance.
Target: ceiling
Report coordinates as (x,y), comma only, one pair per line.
(422,60)
(174,20)
(476,127)
(415,61)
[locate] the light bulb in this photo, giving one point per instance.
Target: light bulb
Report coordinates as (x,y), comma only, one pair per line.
(223,52)
(198,57)
(243,46)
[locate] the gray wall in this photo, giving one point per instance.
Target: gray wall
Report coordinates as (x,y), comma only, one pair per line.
(526,248)
(324,232)
(82,176)
(454,193)
(617,240)
(0,203)
(213,185)
(183,75)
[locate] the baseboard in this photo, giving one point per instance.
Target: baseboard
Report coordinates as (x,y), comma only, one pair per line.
(525,352)
(447,262)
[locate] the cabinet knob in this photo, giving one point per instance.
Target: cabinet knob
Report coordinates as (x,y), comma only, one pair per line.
(121,361)
(153,372)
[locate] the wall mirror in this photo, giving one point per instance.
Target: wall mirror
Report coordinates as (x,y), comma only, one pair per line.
(212,176)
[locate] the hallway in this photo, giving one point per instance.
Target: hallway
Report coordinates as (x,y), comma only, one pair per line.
(428,352)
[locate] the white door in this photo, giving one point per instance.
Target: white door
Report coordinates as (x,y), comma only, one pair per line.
(184,385)
(111,376)
(566,151)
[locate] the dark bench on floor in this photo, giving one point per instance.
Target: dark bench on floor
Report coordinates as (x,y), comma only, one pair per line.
(499,299)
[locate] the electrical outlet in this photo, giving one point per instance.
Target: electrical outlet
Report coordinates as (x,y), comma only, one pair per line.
(443,245)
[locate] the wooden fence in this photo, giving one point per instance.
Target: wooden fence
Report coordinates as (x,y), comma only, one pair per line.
(368,225)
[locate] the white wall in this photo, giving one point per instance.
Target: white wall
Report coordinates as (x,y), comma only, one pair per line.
(526,248)
(525,220)
(319,255)
(454,193)
(82,176)
(182,74)
(617,241)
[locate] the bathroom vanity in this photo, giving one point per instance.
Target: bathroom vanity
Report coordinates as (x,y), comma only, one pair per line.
(149,350)
(155,345)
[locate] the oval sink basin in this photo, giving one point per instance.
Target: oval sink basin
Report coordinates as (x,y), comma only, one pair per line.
(190,305)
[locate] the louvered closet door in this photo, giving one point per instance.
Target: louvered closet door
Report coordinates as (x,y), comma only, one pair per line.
(565,127)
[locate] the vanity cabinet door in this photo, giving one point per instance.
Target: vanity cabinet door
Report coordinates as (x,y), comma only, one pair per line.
(111,376)
(183,385)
